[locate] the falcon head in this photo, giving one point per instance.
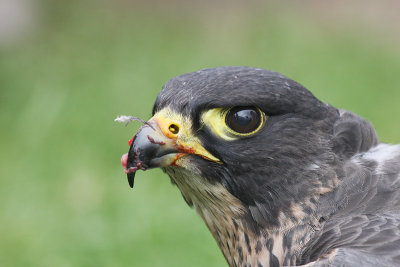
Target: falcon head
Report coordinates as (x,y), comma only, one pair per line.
(250,149)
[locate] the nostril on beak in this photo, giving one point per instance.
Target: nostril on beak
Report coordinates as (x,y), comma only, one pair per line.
(173,128)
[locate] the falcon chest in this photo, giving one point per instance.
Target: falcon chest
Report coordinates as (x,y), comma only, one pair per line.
(223,215)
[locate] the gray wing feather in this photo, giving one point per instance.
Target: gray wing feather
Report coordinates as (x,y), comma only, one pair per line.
(348,257)
(364,240)
(362,215)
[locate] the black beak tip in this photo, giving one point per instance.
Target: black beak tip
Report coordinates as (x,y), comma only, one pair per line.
(131,178)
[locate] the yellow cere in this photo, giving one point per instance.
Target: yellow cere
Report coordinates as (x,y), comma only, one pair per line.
(177,127)
(174,125)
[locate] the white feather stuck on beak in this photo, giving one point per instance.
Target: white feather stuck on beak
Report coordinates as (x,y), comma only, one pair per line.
(128,119)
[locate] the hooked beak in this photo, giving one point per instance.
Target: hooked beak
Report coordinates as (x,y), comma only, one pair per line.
(155,146)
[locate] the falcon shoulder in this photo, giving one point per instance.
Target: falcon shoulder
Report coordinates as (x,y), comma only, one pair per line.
(362,222)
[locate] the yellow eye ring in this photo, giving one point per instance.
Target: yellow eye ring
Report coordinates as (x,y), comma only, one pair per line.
(215,120)
(243,121)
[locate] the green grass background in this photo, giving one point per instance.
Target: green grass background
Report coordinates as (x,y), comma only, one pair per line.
(64,199)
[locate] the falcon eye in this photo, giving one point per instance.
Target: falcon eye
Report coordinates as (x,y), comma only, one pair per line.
(233,123)
(244,120)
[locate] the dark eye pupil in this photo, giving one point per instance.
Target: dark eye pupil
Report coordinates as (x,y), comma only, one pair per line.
(243,119)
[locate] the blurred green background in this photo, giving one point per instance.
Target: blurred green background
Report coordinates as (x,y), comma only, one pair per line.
(68,68)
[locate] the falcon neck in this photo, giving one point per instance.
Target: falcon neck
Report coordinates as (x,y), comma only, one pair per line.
(225,216)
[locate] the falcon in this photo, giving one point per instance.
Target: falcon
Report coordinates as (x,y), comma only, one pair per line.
(279,177)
